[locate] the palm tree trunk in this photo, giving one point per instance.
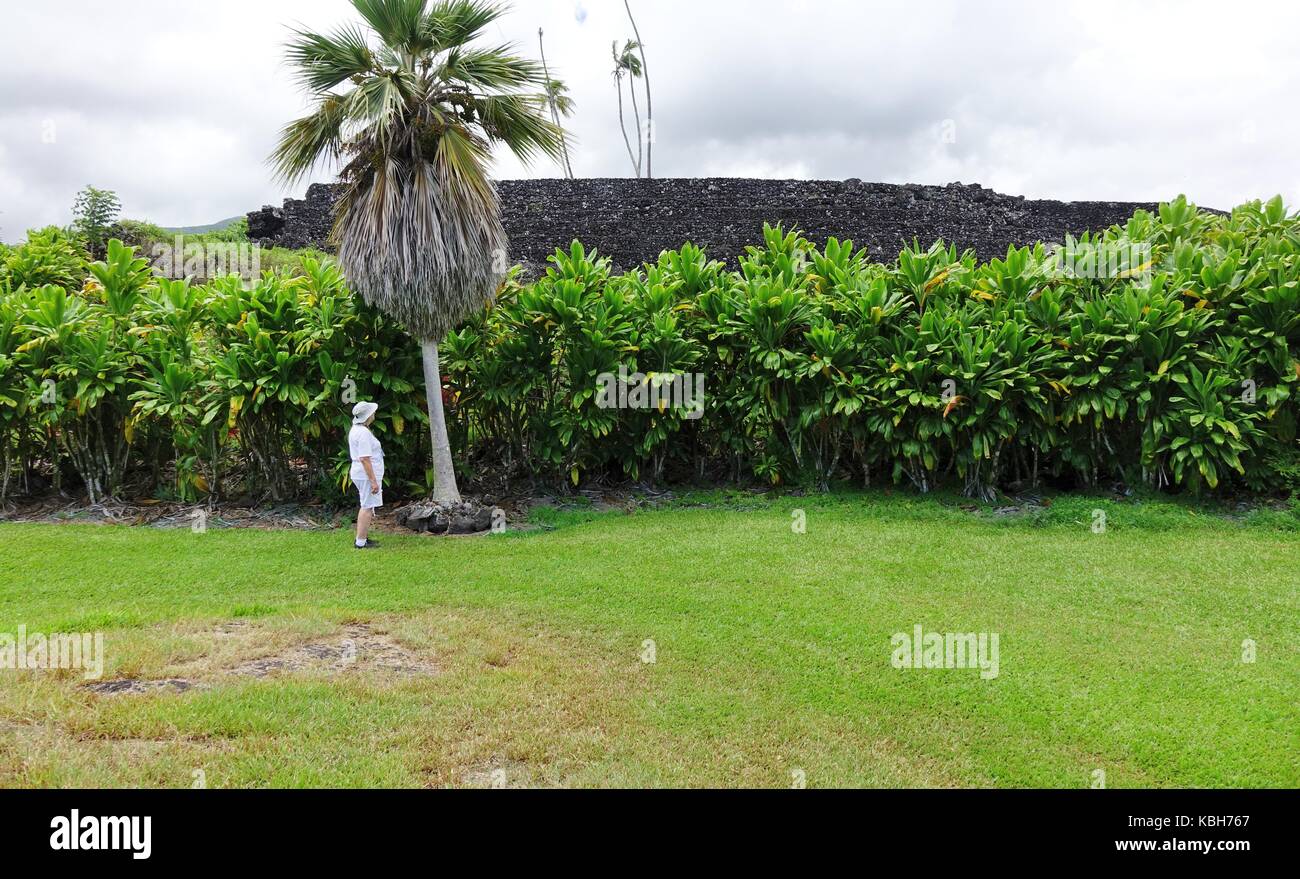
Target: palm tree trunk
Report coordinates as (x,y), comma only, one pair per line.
(623,127)
(649,106)
(444,471)
(636,114)
(555,111)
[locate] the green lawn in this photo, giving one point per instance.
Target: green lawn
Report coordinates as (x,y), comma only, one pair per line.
(1120,652)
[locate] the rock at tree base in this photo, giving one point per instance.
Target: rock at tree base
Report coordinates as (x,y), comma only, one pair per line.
(451,520)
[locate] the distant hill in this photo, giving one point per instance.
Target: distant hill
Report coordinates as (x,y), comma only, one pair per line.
(199,230)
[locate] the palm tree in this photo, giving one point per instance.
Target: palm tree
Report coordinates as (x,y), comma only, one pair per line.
(412,109)
(649,106)
(557,98)
(628,65)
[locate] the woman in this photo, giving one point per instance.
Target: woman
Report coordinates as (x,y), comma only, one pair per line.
(367,469)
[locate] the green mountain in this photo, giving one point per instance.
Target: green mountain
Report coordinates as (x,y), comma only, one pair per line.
(212,227)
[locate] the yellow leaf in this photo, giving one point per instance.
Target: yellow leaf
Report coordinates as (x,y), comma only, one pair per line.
(573,474)
(953,404)
(1139,270)
(937,280)
(1164,367)
(983,294)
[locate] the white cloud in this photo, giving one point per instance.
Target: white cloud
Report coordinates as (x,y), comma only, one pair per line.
(175,106)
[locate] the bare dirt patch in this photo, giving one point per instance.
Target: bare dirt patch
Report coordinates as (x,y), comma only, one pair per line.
(357,649)
(136,687)
(240,649)
(497,776)
(49,507)
(146,512)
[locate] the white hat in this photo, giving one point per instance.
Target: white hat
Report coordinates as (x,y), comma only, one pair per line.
(362,412)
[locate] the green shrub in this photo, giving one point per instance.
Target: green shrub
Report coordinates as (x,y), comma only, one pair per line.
(184,385)
(48,256)
(141,235)
(818,365)
(1180,371)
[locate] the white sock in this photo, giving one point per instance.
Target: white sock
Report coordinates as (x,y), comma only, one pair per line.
(361,543)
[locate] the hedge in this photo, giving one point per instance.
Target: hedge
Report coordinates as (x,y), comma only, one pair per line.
(1164,352)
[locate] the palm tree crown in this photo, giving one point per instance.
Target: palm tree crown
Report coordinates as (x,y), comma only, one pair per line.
(558,94)
(412,109)
(627,62)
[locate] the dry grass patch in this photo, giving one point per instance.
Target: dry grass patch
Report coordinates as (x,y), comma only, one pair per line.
(463,698)
(184,658)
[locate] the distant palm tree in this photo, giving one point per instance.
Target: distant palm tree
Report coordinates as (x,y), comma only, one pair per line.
(649,105)
(557,98)
(413,109)
(557,94)
(627,64)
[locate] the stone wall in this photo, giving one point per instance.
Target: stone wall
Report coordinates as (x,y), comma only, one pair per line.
(632,221)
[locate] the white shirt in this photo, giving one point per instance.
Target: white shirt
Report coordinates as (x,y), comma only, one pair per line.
(363,444)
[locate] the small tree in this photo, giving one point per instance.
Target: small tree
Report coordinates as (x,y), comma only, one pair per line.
(93,214)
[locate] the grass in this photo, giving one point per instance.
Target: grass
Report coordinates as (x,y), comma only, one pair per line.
(1119,651)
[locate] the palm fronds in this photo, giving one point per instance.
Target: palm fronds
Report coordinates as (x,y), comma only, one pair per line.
(418,225)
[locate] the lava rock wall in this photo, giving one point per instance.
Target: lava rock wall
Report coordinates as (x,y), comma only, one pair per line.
(632,221)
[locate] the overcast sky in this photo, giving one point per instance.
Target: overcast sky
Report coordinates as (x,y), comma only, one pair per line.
(175,104)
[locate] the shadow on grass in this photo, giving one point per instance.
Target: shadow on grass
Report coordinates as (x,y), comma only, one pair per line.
(1044,510)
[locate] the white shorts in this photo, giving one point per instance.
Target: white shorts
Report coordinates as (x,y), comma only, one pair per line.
(369,501)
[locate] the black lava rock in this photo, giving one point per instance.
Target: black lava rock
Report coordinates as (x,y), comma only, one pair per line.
(457,519)
(632,221)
